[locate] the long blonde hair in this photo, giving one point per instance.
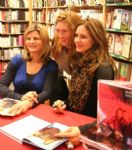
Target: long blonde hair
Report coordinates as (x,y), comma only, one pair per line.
(42,30)
(72,19)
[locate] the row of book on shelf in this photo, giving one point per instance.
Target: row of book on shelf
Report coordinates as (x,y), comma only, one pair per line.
(12,41)
(124,71)
(49,16)
(7,54)
(120,44)
(13,28)
(54,3)
(118,1)
(113,129)
(14,3)
(119,19)
(49,3)
(14,15)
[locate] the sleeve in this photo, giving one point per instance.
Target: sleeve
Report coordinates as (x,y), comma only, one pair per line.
(6,80)
(49,84)
(105,71)
(84,128)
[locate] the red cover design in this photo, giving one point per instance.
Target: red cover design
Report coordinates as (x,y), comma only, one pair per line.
(115,112)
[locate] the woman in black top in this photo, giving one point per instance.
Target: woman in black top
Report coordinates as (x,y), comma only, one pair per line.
(89,63)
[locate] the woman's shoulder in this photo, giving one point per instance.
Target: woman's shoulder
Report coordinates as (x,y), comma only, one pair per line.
(106,65)
(105,71)
(17,59)
(52,63)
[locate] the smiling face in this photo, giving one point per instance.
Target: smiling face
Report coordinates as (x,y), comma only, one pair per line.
(83,39)
(33,42)
(64,33)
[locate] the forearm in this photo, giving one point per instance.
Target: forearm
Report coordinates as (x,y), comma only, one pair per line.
(48,87)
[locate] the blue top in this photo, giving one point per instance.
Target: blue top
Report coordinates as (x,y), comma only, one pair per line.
(41,82)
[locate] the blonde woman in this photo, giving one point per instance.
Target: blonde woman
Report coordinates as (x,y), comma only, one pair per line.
(33,74)
(62,47)
(63,42)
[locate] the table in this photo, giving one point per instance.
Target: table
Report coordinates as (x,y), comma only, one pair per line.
(44,112)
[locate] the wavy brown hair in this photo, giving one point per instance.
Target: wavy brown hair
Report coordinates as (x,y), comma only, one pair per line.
(100,47)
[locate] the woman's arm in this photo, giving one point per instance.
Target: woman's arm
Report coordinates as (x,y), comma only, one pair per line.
(48,86)
(6,80)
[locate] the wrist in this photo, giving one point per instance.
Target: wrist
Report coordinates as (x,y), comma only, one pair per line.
(30,102)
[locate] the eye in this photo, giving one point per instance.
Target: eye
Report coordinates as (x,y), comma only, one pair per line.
(83,36)
(27,39)
(36,38)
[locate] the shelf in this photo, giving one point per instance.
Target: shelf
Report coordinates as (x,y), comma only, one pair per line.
(119,31)
(96,7)
(11,47)
(15,21)
(11,34)
(10,8)
(119,4)
(122,59)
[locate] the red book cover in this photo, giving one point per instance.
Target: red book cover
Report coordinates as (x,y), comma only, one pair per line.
(113,130)
(114,113)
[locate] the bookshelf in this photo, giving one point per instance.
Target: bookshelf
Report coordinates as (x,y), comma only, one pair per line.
(45,12)
(14,19)
(119,32)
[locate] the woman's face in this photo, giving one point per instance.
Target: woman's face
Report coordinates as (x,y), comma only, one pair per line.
(64,33)
(33,42)
(83,39)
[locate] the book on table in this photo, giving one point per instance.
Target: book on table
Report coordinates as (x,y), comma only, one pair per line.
(114,120)
(6,104)
(35,131)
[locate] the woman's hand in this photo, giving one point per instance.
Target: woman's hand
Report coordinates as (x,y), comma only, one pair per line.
(31,96)
(72,134)
(59,106)
(21,107)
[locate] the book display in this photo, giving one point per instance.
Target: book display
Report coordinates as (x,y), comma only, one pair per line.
(119,33)
(114,120)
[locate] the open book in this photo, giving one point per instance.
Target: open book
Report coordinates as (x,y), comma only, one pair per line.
(6,104)
(35,131)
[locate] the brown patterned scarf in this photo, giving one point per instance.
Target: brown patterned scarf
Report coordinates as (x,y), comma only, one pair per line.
(81,80)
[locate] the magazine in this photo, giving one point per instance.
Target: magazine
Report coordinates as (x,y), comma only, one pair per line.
(6,104)
(35,131)
(114,120)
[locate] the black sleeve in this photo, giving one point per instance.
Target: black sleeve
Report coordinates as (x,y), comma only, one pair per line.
(84,128)
(105,71)
(48,86)
(6,80)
